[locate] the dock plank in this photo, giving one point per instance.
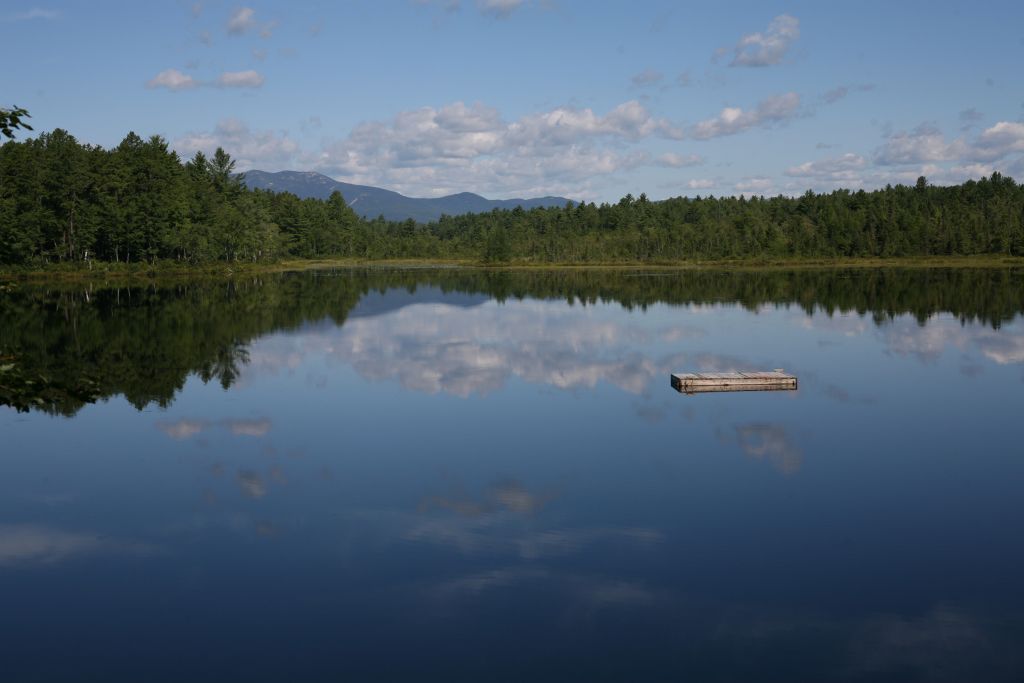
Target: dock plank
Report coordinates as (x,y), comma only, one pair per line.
(696,382)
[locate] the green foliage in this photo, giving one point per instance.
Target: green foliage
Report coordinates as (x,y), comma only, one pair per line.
(13,119)
(61,201)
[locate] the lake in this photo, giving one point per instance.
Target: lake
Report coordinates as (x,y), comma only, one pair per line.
(446,474)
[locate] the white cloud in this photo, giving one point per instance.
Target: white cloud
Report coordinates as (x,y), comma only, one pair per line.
(432,151)
(250,149)
(836,94)
(969,117)
(840,92)
(172,79)
(757,185)
(565,125)
(926,144)
(672,160)
(923,144)
(499,8)
(732,120)
(701,184)
(34,13)
(242,20)
(845,168)
(647,77)
(999,140)
(267,31)
(768,48)
(240,79)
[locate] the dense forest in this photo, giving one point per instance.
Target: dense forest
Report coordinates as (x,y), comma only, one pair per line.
(62,201)
(63,346)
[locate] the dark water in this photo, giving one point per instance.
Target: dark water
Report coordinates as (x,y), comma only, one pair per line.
(451,475)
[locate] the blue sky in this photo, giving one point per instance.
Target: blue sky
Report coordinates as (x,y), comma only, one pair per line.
(508,98)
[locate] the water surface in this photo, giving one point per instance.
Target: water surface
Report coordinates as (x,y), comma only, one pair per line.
(463,475)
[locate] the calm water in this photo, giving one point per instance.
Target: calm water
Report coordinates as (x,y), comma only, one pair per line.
(449,475)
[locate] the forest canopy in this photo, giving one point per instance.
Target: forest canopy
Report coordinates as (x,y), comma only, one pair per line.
(63,201)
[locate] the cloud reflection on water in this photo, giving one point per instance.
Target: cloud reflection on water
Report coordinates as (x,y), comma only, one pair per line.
(20,543)
(766,441)
(437,348)
(906,336)
(186,428)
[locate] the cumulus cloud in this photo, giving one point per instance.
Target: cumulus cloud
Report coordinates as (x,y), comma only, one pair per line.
(240,79)
(647,77)
(242,20)
(565,125)
(846,168)
(769,47)
(756,185)
(701,184)
(249,148)
(172,79)
(732,120)
(432,151)
(923,144)
(999,140)
(927,144)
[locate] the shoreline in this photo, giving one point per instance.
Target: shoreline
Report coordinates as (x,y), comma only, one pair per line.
(172,271)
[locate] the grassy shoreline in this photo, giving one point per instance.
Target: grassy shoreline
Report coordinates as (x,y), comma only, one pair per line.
(172,270)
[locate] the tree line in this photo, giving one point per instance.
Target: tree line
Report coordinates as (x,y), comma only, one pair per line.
(62,201)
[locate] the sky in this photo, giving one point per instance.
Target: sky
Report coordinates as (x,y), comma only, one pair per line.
(520,98)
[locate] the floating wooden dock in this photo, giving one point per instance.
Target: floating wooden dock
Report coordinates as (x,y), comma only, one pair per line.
(700,382)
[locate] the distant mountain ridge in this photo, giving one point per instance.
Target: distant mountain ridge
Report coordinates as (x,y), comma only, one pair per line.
(371,202)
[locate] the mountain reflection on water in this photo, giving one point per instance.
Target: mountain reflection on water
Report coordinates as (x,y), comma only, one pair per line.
(381,474)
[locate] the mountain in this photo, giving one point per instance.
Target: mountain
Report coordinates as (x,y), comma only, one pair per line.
(371,202)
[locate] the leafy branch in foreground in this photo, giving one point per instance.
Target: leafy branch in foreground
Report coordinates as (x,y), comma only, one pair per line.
(12,120)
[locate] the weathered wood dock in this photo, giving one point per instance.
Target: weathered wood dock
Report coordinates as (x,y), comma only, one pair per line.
(700,382)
